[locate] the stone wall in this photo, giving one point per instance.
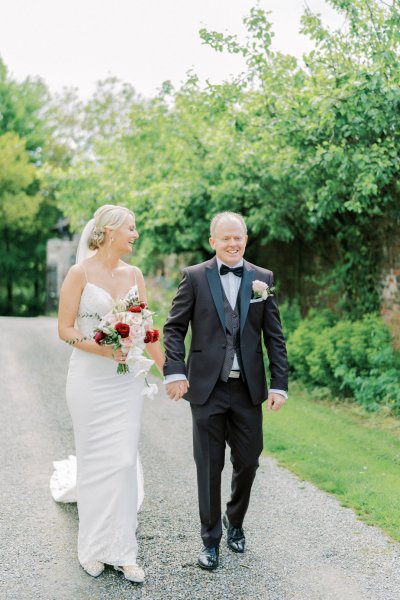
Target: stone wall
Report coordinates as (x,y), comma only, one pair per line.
(391,290)
(298,266)
(60,256)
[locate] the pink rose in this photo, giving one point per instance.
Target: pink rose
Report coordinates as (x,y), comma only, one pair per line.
(261,290)
(126,342)
(259,286)
(136,331)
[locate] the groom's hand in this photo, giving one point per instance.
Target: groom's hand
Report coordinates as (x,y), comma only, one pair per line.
(177,389)
(275,401)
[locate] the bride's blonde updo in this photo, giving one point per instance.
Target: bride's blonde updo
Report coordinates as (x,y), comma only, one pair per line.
(110,216)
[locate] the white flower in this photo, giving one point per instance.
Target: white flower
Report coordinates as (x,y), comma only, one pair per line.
(150,390)
(120,306)
(134,354)
(137,362)
(261,289)
(265,294)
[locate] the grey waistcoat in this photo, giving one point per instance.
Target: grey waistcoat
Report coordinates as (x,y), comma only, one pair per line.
(232,324)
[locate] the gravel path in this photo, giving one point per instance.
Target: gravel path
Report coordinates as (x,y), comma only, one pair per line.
(301,544)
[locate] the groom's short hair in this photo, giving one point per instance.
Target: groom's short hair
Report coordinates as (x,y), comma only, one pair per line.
(226,216)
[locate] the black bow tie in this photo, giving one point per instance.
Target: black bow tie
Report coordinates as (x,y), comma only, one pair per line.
(238,271)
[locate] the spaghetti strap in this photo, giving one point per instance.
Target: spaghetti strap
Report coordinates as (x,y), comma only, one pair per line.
(135,284)
(134,272)
(84,270)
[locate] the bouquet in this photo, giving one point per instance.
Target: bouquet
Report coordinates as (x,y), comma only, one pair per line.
(129,326)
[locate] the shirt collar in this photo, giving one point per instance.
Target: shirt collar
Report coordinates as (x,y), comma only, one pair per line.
(239,264)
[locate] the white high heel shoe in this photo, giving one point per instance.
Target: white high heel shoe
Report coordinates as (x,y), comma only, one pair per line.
(132,573)
(93,567)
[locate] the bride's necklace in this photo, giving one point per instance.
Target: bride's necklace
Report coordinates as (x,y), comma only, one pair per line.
(112,271)
(108,269)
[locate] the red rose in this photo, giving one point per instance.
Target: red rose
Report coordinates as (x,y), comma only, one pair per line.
(98,336)
(155,335)
(143,305)
(135,309)
(123,329)
(152,336)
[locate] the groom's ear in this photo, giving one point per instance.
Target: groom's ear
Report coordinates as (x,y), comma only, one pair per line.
(212,242)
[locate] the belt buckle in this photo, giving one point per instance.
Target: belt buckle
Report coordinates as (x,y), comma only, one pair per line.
(234,375)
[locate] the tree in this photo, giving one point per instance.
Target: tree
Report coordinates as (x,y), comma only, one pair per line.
(307,152)
(26,213)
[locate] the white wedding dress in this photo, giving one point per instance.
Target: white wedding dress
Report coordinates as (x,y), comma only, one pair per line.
(106,413)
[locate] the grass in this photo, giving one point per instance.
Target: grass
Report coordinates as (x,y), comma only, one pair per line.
(343,450)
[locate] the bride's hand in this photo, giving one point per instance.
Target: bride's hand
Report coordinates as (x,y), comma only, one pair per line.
(119,355)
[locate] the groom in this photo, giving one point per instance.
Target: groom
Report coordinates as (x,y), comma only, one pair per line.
(225,380)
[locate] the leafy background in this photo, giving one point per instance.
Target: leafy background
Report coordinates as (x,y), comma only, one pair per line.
(307,151)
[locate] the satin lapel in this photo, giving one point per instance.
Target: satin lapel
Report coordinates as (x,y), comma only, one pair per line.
(245,293)
(216,290)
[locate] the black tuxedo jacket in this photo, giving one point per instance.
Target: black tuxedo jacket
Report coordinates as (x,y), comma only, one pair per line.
(199,303)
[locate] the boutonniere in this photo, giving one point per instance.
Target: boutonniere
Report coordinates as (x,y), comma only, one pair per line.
(260,289)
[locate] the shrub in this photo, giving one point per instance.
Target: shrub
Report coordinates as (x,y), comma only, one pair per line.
(352,358)
(290,317)
(303,341)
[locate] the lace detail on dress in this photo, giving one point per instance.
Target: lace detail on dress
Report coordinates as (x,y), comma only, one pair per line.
(95,303)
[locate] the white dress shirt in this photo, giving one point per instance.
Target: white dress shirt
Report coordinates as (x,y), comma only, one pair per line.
(231,285)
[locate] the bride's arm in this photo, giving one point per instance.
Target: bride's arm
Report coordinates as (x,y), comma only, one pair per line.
(70,297)
(154,350)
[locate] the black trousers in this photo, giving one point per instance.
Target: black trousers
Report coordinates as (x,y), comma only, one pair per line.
(228,416)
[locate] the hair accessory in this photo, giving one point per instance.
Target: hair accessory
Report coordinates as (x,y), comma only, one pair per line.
(96,234)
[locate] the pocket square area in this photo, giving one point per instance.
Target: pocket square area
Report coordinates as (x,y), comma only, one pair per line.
(256,300)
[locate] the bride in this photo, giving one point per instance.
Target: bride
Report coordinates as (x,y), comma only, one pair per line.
(105,406)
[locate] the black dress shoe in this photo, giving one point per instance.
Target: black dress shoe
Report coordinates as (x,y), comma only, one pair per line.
(235,536)
(208,558)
